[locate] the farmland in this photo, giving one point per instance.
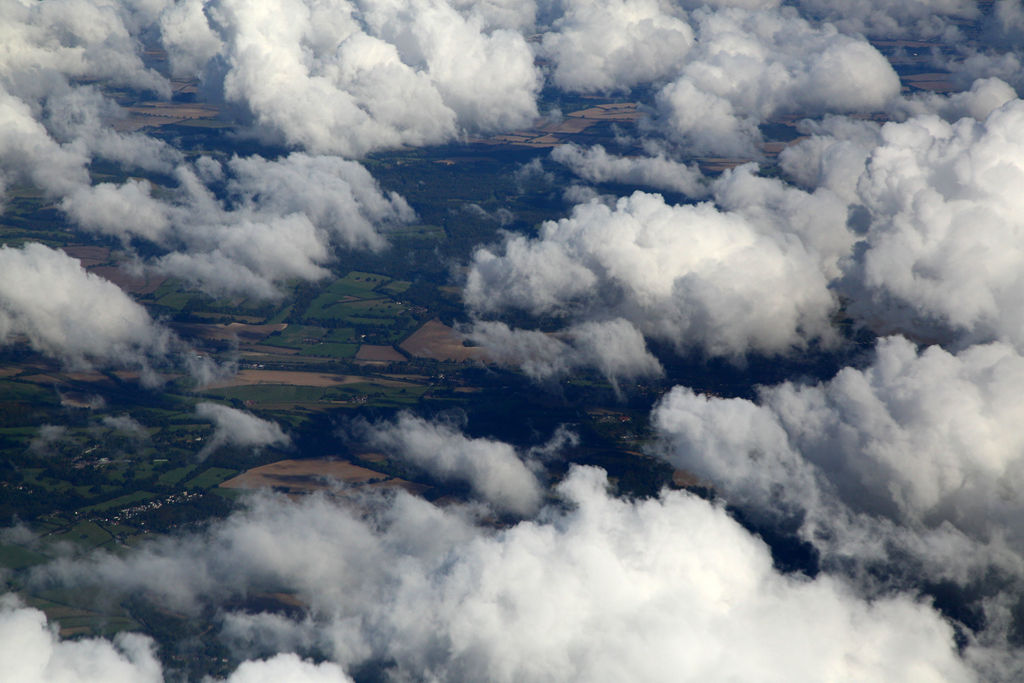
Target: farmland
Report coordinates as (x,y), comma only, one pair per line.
(306,476)
(92,459)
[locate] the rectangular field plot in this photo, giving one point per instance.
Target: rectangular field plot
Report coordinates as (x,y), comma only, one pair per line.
(119,502)
(210,477)
(18,557)
(315,341)
(353,288)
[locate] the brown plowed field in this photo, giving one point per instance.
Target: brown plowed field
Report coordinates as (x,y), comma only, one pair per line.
(306,476)
(133,284)
(438,341)
(302,476)
(298,378)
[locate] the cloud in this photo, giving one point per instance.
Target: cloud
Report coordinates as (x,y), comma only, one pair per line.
(921,19)
(927,199)
(919,438)
(747,67)
(690,275)
(615,347)
(660,173)
(905,473)
(32,653)
(720,70)
(616,45)
(597,589)
(279,219)
(288,667)
(125,424)
(30,155)
(493,470)
(48,436)
(233,427)
(347,78)
(53,124)
(984,96)
(80,318)
(72,39)
(940,199)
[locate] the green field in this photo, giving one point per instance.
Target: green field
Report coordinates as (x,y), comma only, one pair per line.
(316,341)
(120,501)
(172,477)
(84,534)
(396,286)
(17,557)
(355,287)
(271,393)
(210,478)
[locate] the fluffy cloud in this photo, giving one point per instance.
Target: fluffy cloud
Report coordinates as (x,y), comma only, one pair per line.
(51,128)
(279,219)
(125,424)
(660,173)
(234,427)
(615,347)
(984,96)
(906,472)
(70,39)
(288,667)
(492,469)
(920,438)
(894,18)
(722,69)
(600,589)
(30,155)
(348,78)
(65,312)
(32,653)
(616,44)
(942,198)
(692,276)
(747,67)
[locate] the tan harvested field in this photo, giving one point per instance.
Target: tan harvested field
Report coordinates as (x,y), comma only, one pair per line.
(249,377)
(79,400)
(242,331)
(88,255)
(129,282)
(296,477)
(626,111)
(264,350)
(373,457)
(298,378)
(683,479)
(935,82)
(178,110)
(717,164)
(552,134)
(373,352)
(60,378)
(132,376)
(41,379)
(173,110)
(10,371)
(146,114)
(438,341)
(246,332)
(568,126)
(303,476)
